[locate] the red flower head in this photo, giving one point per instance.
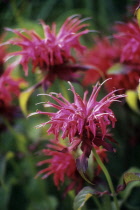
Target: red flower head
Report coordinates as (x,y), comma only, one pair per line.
(128,34)
(9,91)
(62,166)
(122,55)
(128,38)
(84,122)
(9,88)
(100,58)
(52,51)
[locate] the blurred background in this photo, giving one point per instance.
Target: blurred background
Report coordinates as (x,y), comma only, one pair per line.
(20,142)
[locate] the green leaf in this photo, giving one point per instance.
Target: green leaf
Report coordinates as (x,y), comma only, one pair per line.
(118,68)
(5,194)
(132,100)
(83,196)
(84,177)
(23,99)
(131,179)
(137,14)
(138,90)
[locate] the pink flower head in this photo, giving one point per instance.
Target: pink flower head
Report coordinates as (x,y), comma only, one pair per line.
(105,55)
(128,34)
(9,92)
(84,122)
(128,38)
(51,51)
(9,88)
(99,58)
(61,165)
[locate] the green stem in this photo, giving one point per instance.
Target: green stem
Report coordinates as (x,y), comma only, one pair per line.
(104,169)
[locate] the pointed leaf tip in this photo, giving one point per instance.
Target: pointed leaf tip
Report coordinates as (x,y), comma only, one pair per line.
(23,99)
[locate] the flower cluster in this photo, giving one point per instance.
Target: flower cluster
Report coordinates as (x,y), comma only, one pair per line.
(85,123)
(121,54)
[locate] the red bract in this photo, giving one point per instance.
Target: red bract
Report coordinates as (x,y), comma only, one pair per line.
(84,122)
(52,51)
(61,165)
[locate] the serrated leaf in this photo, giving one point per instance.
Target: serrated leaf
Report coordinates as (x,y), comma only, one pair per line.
(132,100)
(118,68)
(83,196)
(23,99)
(131,179)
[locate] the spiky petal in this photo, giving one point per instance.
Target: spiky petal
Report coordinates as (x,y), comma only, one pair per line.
(84,122)
(52,50)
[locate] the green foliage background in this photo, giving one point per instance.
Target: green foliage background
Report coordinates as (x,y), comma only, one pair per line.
(20,143)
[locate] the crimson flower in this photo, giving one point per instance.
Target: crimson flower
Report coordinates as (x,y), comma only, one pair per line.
(9,88)
(128,38)
(61,165)
(53,52)
(122,55)
(128,34)
(84,122)
(100,58)
(9,92)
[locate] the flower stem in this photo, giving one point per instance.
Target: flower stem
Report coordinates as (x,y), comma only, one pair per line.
(106,173)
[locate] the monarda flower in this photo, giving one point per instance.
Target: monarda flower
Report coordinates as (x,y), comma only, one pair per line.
(9,88)
(52,54)
(9,92)
(128,38)
(109,60)
(128,34)
(62,166)
(100,58)
(84,122)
